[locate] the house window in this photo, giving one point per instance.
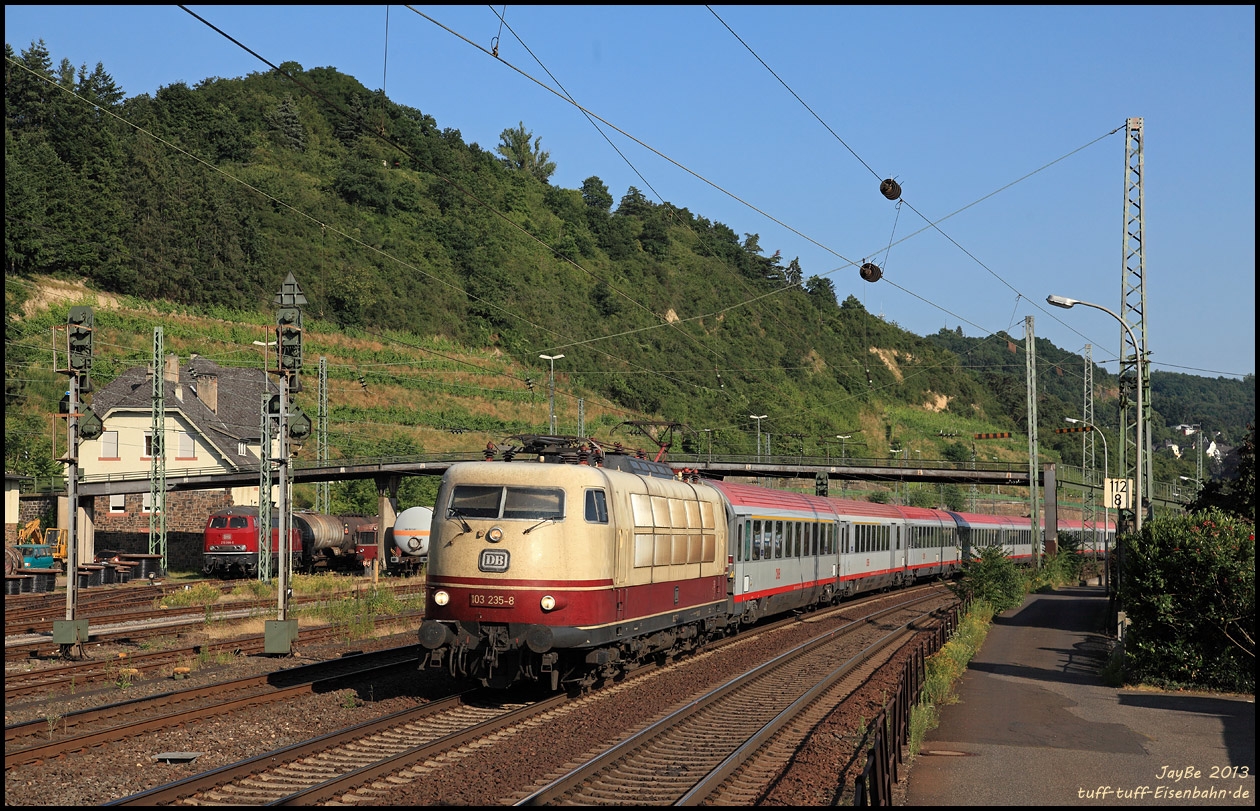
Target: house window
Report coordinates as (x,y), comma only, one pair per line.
(117,504)
(146,503)
(109,445)
(241,448)
(187,447)
(148,446)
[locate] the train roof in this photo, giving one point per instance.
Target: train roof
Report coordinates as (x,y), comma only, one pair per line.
(925,513)
(751,495)
(982,520)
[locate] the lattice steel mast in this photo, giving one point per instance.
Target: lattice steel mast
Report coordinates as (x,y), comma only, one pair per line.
(1134,360)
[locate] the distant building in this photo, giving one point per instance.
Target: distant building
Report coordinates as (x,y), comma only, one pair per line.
(211,424)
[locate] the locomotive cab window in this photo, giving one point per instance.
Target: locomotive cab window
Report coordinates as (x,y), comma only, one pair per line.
(596,507)
(527,503)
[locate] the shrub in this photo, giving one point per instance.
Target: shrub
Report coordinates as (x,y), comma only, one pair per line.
(1188,585)
(991,576)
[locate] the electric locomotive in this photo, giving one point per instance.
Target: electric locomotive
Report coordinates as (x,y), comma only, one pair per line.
(566,574)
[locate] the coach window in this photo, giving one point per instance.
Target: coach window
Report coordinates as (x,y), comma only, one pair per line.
(596,507)
(778,539)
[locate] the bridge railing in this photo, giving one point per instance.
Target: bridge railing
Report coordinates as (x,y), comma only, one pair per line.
(1166,492)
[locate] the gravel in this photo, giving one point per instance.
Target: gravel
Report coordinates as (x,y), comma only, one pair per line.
(821,774)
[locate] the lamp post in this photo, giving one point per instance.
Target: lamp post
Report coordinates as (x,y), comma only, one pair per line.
(551,388)
(266,345)
(896,454)
(844,438)
(1067,304)
(709,433)
(1198,483)
(758,418)
(1106,515)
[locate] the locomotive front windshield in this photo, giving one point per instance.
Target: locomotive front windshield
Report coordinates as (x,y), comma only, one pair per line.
(487,501)
(229,522)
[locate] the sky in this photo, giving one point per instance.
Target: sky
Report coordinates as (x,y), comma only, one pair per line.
(1004,126)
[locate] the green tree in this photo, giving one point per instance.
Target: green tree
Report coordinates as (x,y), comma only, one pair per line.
(285,124)
(1237,496)
(514,146)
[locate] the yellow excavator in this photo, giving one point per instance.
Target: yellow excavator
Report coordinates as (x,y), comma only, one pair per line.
(36,548)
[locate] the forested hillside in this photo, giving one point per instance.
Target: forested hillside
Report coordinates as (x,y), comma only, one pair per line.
(201,200)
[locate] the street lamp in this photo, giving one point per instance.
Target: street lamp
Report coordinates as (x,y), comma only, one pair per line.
(1067,304)
(758,418)
(266,351)
(552,388)
(1106,515)
(844,438)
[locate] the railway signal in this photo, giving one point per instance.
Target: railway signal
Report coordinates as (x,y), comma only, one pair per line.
(289,338)
(79,344)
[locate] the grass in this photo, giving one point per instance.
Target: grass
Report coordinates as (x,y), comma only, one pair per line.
(355,613)
(202,594)
(944,668)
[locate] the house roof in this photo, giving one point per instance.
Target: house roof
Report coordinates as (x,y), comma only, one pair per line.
(236,417)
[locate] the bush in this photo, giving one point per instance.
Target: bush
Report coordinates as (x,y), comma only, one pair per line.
(991,576)
(1062,568)
(1188,585)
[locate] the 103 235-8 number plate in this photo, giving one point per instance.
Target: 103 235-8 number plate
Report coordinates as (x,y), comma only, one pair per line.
(485,600)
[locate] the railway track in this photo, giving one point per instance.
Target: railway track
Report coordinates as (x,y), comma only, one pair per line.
(360,765)
(37,740)
(83,674)
(724,747)
(132,625)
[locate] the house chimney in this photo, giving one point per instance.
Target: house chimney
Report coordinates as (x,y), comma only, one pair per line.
(170,374)
(208,391)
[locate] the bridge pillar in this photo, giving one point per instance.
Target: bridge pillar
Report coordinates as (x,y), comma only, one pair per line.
(387,509)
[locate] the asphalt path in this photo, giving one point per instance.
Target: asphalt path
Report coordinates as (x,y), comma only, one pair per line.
(1035,725)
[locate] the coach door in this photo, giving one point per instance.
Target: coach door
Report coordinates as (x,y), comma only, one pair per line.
(899,541)
(843,555)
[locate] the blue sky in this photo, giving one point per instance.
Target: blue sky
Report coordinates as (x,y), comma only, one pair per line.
(781,121)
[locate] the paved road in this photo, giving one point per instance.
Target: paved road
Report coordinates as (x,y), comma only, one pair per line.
(1034,725)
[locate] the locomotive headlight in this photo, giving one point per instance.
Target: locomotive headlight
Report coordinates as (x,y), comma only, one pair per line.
(495,534)
(441,597)
(548,602)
